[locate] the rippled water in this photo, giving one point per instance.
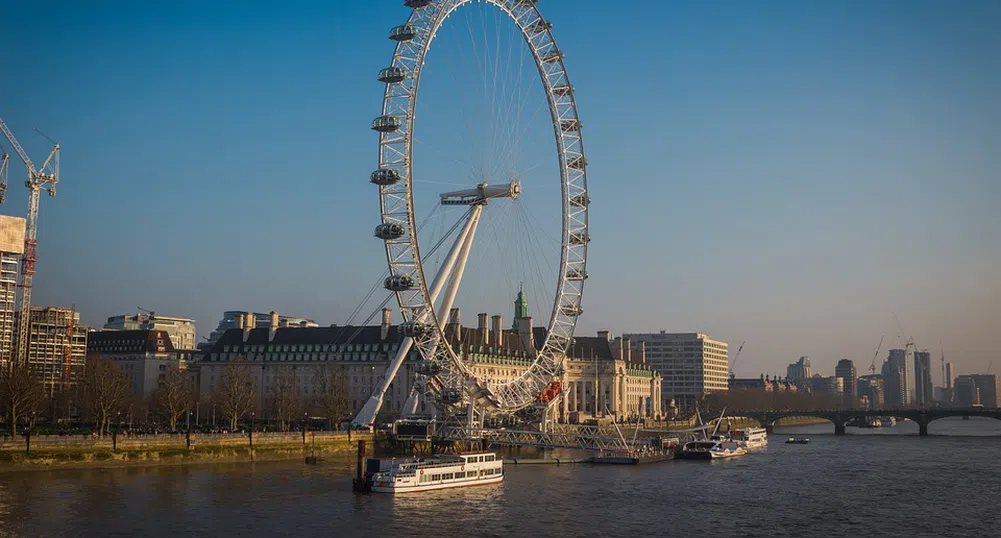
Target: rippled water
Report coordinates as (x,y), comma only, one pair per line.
(887,483)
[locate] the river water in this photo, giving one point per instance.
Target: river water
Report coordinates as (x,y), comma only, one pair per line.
(870,483)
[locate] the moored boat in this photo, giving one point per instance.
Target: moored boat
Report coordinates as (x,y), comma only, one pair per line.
(751,438)
(440,472)
(712,450)
(798,441)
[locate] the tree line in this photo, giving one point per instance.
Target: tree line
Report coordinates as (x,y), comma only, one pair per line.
(104,397)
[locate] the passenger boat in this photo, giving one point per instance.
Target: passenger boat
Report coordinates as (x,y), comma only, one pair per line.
(751,437)
(440,472)
(798,441)
(712,450)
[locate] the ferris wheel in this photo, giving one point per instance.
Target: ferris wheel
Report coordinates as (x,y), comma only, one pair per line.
(426,296)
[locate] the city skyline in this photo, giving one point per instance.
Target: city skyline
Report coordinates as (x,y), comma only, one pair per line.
(855,181)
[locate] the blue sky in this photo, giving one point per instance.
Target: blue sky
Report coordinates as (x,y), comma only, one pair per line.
(785,173)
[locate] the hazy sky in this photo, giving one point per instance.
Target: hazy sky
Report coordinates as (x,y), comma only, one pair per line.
(785,173)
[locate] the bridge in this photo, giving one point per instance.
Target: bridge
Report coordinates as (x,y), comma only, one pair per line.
(840,417)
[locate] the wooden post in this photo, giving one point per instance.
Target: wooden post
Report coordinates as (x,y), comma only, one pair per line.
(359,481)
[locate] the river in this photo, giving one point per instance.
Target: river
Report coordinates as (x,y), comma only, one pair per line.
(888,482)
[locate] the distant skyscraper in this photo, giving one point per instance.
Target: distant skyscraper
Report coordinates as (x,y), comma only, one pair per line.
(871,386)
(923,390)
(849,377)
(895,383)
(799,370)
(966,391)
(57,347)
(988,388)
(11,248)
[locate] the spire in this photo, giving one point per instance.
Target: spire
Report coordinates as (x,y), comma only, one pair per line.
(520,306)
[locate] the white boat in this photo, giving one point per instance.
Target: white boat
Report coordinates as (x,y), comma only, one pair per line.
(712,450)
(751,437)
(440,472)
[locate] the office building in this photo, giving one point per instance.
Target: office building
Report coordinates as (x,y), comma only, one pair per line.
(799,370)
(691,364)
(845,370)
(144,355)
(949,376)
(11,248)
(895,382)
(870,387)
(965,391)
(57,347)
(827,385)
(181,330)
(923,391)
(987,389)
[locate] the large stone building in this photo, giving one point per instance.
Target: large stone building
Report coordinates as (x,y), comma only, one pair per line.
(799,370)
(144,355)
(609,378)
(923,391)
(57,347)
(362,354)
(691,364)
(845,369)
(181,330)
(11,248)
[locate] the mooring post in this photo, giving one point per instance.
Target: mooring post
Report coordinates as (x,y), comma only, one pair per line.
(359,481)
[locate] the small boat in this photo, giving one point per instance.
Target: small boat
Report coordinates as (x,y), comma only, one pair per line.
(440,472)
(798,440)
(751,437)
(705,450)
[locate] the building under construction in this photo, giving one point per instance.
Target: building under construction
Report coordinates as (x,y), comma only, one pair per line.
(57,347)
(11,248)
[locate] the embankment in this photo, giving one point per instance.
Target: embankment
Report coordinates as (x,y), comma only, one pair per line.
(51,452)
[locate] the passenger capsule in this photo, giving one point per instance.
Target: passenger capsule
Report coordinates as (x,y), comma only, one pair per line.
(579,238)
(450,396)
(393,74)
(576,274)
(390,231)
(577,163)
(540,25)
(399,283)
(387,124)
(570,125)
(428,368)
(417,3)
(404,32)
(572,310)
(552,56)
(385,177)
(581,200)
(413,329)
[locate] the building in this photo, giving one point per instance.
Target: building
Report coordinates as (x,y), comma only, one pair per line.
(57,347)
(870,388)
(11,248)
(180,330)
(845,370)
(232,319)
(949,376)
(965,391)
(988,389)
(609,378)
(923,388)
(895,383)
(690,364)
(799,370)
(827,385)
(144,355)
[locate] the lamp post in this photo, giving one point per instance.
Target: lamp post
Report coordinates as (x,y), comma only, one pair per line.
(188,434)
(252,415)
(114,433)
(305,417)
(27,435)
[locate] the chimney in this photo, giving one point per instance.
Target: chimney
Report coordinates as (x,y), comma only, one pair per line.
(603,334)
(495,327)
(387,319)
(273,326)
(617,349)
(483,332)
(627,349)
(455,323)
(525,333)
(249,324)
(239,322)
(641,352)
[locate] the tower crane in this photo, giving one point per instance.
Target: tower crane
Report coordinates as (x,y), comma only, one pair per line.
(736,358)
(872,367)
(38,177)
(4,158)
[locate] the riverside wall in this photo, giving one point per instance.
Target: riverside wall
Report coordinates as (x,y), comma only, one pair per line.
(87,451)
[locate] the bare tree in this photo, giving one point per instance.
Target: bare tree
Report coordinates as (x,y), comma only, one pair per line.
(106,390)
(330,390)
(285,397)
(21,394)
(235,395)
(174,397)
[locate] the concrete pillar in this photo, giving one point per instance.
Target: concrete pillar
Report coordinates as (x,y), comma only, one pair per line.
(923,429)
(770,428)
(839,428)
